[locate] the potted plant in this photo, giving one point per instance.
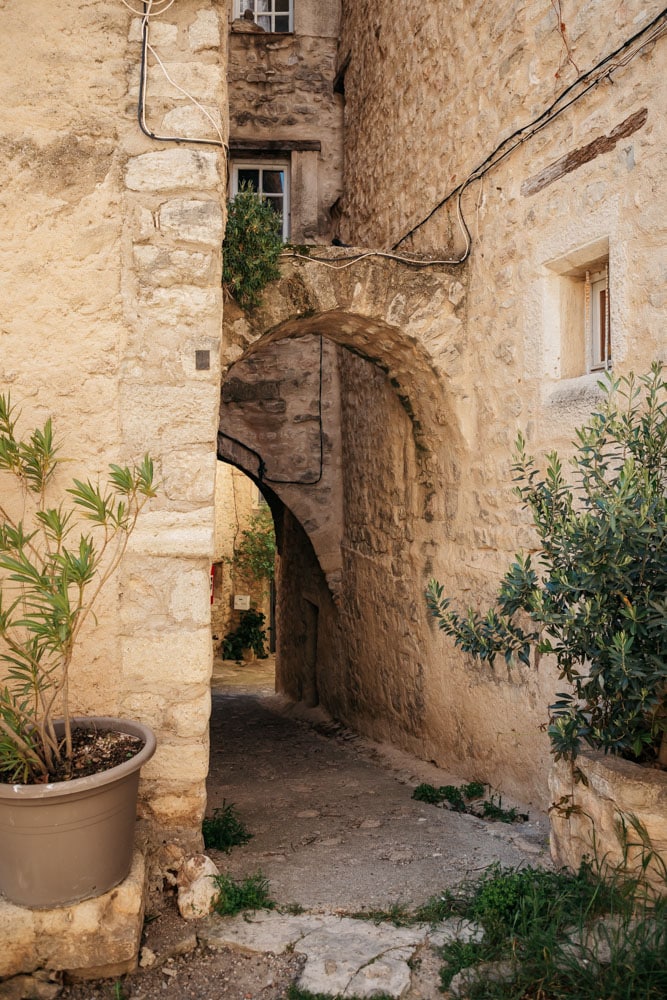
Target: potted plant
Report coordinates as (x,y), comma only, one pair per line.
(68,784)
(597,598)
(248,635)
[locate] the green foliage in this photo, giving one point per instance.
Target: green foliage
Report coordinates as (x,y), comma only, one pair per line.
(396,913)
(51,576)
(250,893)
(255,555)
(598,598)
(560,935)
(251,248)
(249,634)
(224,829)
(464,799)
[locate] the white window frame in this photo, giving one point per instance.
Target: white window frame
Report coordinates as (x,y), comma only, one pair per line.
(240,6)
(261,165)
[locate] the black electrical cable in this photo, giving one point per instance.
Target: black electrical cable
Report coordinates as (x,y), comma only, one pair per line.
(141,104)
(260,475)
(545,118)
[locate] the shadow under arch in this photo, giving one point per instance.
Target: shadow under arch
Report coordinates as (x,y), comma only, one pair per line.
(299,454)
(417,384)
(321,430)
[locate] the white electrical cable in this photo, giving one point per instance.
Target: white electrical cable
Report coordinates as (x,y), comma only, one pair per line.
(151,3)
(189,96)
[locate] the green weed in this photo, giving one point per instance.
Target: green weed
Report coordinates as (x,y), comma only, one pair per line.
(561,936)
(224,829)
(294,993)
(436,909)
(464,798)
(292,909)
(252,893)
(397,914)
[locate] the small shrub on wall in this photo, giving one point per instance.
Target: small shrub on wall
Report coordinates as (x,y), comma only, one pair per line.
(597,597)
(251,248)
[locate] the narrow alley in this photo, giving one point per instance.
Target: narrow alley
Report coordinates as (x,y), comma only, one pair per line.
(332,816)
(336,833)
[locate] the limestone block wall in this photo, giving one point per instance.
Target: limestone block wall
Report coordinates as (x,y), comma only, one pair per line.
(283,404)
(281,96)
(430,91)
(350,642)
(111,322)
(236,500)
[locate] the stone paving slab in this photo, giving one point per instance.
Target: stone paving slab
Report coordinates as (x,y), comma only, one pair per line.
(344,957)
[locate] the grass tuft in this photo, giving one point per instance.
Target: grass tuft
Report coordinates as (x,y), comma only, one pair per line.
(465,799)
(225,829)
(560,936)
(294,993)
(252,893)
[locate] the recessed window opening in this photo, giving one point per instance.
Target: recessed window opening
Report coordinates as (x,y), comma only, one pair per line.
(578,332)
(271,183)
(271,15)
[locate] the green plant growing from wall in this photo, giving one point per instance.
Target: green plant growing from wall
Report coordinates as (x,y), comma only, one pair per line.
(255,555)
(251,248)
(598,596)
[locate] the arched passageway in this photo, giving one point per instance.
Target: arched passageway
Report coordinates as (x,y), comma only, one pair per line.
(344,394)
(340,454)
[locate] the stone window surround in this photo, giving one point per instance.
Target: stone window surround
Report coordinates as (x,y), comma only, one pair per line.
(303,157)
(569,326)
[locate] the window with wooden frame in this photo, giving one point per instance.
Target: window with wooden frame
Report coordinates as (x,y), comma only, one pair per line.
(276,16)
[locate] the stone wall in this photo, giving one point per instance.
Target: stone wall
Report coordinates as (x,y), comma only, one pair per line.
(350,638)
(430,91)
(282,103)
(394,447)
(111,322)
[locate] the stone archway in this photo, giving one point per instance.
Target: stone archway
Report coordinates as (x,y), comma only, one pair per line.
(341,414)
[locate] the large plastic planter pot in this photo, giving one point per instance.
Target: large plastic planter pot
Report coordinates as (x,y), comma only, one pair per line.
(71,840)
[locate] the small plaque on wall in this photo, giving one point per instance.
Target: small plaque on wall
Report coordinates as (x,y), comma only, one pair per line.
(241,602)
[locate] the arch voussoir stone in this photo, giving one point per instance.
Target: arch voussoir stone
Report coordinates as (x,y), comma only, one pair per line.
(406,321)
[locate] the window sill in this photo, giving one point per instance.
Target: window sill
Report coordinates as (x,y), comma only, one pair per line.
(254,32)
(574,393)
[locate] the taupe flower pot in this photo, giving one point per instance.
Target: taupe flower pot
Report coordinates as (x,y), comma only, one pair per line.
(71,840)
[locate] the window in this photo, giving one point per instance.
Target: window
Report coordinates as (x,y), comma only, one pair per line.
(597,320)
(271,15)
(577,314)
(270,181)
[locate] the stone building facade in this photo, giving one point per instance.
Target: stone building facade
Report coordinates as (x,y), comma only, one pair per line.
(284,114)
(551,264)
(376,401)
(110,262)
